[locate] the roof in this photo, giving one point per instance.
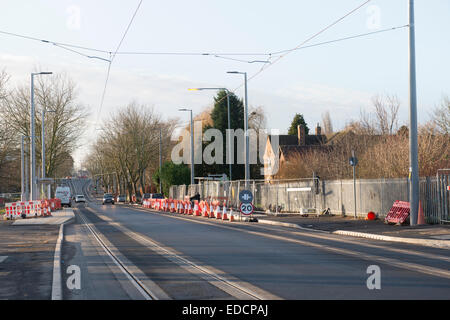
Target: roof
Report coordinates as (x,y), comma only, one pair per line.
(289,151)
(292,140)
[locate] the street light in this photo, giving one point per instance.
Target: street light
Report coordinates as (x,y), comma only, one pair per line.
(246,140)
(192,145)
(229,122)
(43,152)
(23,176)
(33,182)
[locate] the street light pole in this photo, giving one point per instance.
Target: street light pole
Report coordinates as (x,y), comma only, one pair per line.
(246,140)
(43,150)
(33,181)
(192,145)
(22,171)
(229,125)
(160,159)
(413,148)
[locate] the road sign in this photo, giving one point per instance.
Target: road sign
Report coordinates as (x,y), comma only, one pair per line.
(246,208)
(245,196)
(353,161)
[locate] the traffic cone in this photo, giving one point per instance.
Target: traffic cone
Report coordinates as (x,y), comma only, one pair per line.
(196,209)
(218,212)
(224,211)
(421,216)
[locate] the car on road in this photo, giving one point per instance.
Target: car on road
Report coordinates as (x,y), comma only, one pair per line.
(80,198)
(121,198)
(63,193)
(108,198)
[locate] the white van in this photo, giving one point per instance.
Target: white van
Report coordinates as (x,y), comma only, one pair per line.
(63,193)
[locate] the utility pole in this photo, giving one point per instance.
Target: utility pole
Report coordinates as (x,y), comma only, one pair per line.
(413,146)
(160,159)
(33,179)
(22,171)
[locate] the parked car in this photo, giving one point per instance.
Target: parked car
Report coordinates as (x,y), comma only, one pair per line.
(151,196)
(79,198)
(108,198)
(121,198)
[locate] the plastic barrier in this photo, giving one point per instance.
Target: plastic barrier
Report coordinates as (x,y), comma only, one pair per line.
(224,211)
(196,211)
(398,213)
(218,211)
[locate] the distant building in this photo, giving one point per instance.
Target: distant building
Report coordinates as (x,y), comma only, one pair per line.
(288,146)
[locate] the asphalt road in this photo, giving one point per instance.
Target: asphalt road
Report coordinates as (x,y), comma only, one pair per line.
(179,257)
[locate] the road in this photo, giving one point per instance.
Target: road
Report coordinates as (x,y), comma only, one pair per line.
(128,252)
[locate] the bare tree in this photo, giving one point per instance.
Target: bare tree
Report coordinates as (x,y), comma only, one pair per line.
(129,147)
(441,116)
(63,126)
(326,123)
(386,113)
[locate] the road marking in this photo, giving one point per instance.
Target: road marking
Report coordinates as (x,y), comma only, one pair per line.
(313,234)
(3,258)
(361,255)
(56,284)
(235,287)
(148,289)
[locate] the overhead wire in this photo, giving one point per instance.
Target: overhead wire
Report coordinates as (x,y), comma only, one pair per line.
(112,56)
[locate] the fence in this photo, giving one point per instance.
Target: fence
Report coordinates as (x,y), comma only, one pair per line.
(376,195)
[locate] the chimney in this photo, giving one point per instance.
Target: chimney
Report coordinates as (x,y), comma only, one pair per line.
(301,135)
(318,130)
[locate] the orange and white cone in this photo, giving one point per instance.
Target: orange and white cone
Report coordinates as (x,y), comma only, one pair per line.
(224,211)
(421,216)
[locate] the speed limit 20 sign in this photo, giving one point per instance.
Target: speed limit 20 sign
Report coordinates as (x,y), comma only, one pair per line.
(246,208)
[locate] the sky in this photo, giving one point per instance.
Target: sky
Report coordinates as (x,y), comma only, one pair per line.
(339,77)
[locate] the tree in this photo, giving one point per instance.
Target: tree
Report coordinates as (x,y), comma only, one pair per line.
(172,174)
(441,116)
(326,123)
(127,150)
(219,119)
(63,127)
(298,120)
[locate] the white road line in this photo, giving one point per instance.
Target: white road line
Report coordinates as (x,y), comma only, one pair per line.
(361,255)
(134,274)
(3,258)
(235,287)
(325,236)
(56,284)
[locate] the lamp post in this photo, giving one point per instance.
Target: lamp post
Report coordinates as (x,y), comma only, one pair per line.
(23,175)
(43,151)
(192,145)
(160,159)
(246,140)
(229,124)
(33,181)
(413,147)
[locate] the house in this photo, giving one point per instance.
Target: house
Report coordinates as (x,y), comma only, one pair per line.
(277,153)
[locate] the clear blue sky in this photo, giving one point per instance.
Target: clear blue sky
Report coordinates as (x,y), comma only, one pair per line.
(339,77)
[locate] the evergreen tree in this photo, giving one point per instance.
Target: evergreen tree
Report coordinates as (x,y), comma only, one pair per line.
(298,120)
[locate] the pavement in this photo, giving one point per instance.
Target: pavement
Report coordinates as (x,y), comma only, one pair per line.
(26,260)
(57,218)
(434,235)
